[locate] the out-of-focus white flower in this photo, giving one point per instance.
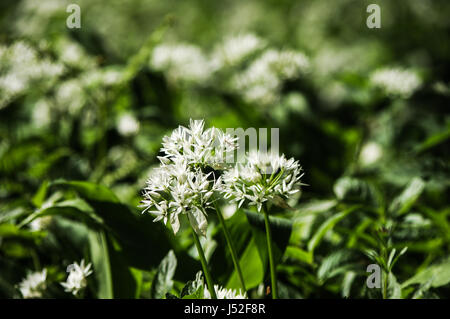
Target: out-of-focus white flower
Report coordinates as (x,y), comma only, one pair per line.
(265,176)
(261,81)
(235,49)
(73,54)
(41,115)
(70,96)
(396,81)
(21,67)
(370,153)
(182,62)
(76,281)
(104,77)
(40,223)
(224,293)
(34,284)
(127,125)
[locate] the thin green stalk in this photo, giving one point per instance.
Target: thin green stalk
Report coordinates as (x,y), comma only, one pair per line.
(209,281)
(273,274)
(234,255)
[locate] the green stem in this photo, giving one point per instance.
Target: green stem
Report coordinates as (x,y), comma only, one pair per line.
(209,281)
(385,284)
(273,274)
(234,255)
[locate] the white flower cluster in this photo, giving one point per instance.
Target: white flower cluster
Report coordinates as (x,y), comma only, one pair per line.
(235,49)
(182,62)
(179,185)
(258,80)
(34,284)
(396,81)
(264,177)
(198,146)
(20,67)
(76,281)
(224,293)
(262,80)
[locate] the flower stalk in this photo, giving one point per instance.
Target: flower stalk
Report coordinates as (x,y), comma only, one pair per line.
(234,255)
(273,274)
(201,254)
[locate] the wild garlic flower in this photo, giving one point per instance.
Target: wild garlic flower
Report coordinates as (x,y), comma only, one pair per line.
(262,80)
(264,177)
(34,284)
(199,147)
(76,281)
(176,188)
(183,62)
(224,293)
(396,81)
(180,184)
(235,49)
(20,67)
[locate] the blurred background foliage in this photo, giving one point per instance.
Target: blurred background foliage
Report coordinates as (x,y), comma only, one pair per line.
(365,111)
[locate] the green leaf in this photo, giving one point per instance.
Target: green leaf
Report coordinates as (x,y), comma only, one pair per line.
(439,274)
(326,226)
(115,279)
(281,232)
(75,208)
(403,203)
(101,264)
(252,268)
(89,190)
(394,288)
(354,190)
(163,280)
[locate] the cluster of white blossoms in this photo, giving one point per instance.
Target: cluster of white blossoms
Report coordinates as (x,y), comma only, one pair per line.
(20,67)
(262,80)
(199,147)
(182,62)
(76,281)
(396,81)
(242,64)
(34,284)
(235,49)
(179,185)
(224,293)
(265,176)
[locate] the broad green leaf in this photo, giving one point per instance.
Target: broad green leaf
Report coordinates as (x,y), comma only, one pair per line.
(438,273)
(89,191)
(326,226)
(281,232)
(403,203)
(394,288)
(74,208)
(299,254)
(252,267)
(101,264)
